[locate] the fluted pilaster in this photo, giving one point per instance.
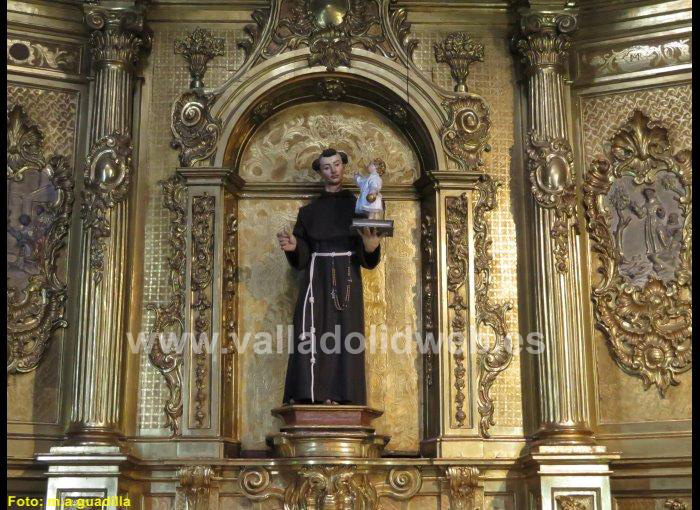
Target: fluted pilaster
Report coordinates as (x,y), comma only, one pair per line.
(562,388)
(116,42)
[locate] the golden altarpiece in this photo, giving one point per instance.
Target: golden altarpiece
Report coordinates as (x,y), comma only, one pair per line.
(539,179)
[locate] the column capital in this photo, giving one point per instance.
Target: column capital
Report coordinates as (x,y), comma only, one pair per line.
(544,38)
(117,34)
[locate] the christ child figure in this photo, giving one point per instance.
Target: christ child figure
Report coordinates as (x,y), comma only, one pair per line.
(370,202)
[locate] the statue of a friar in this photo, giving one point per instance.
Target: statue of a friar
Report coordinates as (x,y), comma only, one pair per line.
(325,368)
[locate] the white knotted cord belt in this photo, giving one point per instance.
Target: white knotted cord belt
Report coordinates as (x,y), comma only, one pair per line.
(309,298)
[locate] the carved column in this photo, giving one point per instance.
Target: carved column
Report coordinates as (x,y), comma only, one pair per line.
(563,395)
(116,42)
(563,463)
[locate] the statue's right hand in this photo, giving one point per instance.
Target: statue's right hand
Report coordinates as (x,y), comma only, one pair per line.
(287,240)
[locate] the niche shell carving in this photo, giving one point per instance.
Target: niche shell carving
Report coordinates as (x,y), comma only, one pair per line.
(638,204)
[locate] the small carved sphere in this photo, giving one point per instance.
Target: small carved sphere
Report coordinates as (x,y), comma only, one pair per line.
(654,356)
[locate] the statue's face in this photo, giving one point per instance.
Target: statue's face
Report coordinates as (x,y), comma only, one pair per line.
(332,169)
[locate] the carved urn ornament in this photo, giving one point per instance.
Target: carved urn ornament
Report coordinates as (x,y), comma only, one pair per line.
(638,202)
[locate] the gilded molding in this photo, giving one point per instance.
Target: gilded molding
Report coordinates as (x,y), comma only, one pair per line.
(465,132)
(106,183)
(463,490)
(643,300)
(553,185)
(195,483)
(496,358)
(35,311)
(195,131)
(171,315)
(638,57)
(38,54)
(429,272)
(198,48)
(459,51)
(203,209)
(457,228)
(572,502)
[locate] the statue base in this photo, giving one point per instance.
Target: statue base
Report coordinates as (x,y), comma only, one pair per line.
(339,431)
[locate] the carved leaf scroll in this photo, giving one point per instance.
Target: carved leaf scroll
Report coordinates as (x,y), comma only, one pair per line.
(36,296)
(638,203)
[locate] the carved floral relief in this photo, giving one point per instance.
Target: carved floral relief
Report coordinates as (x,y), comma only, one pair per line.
(638,203)
(39,207)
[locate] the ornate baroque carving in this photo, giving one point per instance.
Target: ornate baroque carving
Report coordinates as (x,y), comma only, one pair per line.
(457,270)
(230,278)
(638,57)
(118,35)
(195,131)
(465,133)
(463,488)
(429,271)
(324,486)
(496,358)
(106,183)
(331,89)
(330,30)
(459,51)
(44,55)
(196,482)
(198,48)
(643,300)
(675,504)
(552,179)
(37,309)
(203,208)
(572,502)
(545,41)
(171,315)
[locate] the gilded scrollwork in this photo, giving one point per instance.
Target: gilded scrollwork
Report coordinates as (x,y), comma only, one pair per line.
(637,57)
(496,358)
(675,504)
(457,271)
(465,132)
(330,30)
(638,203)
(195,131)
(203,208)
(552,181)
(106,184)
(44,55)
(402,483)
(429,271)
(195,483)
(230,279)
(463,490)
(459,51)
(198,48)
(39,221)
(572,502)
(171,315)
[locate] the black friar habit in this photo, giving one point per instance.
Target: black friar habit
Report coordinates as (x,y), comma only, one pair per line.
(324,226)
